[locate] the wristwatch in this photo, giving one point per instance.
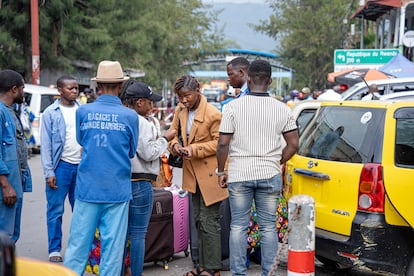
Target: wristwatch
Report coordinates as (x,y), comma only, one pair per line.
(220,173)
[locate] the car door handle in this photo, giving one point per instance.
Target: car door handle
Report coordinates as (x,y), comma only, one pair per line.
(313,174)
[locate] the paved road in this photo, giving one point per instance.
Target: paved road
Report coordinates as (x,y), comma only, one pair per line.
(33,239)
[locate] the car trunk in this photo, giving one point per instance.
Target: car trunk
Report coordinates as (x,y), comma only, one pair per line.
(332,187)
(333,152)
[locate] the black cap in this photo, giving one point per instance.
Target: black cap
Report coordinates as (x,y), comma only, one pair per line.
(141,90)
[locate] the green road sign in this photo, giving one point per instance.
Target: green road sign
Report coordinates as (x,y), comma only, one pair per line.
(364,56)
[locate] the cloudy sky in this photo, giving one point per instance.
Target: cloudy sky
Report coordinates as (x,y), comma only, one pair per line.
(237,15)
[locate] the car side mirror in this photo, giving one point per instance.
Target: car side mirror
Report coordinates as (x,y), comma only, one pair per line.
(7,256)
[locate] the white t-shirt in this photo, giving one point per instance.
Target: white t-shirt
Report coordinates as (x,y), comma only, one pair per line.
(71,151)
(190,120)
(330,95)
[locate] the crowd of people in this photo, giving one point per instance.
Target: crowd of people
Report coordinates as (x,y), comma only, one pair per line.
(332,92)
(226,155)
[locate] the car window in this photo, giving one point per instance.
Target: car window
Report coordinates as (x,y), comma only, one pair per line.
(401,87)
(45,101)
(404,141)
(304,117)
(27,98)
(346,134)
(350,91)
(399,98)
(358,95)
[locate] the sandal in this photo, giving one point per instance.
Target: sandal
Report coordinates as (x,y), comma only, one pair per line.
(194,272)
(209,272)
(55,257)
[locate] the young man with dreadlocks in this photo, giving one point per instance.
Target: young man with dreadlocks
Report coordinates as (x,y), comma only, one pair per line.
(199,123)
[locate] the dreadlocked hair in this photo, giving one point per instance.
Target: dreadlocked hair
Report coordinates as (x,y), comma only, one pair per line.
(124,88)
(129,102)
(186,81)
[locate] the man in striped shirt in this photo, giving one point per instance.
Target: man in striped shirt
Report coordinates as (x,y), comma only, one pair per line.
(251,134)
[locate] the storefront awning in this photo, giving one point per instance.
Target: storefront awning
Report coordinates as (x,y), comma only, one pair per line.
(375,8)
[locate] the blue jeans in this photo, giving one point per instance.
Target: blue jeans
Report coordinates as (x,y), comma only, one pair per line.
(265,192)
(18,221)
(140,209)
(65,181)
(112,221)
(8,216)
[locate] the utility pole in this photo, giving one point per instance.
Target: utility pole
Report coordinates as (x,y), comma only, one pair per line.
(34,15)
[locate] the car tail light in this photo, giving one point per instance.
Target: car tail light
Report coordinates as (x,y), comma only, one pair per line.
(371,189)
(343,87)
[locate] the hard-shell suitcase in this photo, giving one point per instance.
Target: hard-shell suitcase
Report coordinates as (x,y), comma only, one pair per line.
(180,220)
(193,232)
(159,241)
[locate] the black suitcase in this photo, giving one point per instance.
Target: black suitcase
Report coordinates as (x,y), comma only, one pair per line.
(225,219)
(7,255)
(159,241)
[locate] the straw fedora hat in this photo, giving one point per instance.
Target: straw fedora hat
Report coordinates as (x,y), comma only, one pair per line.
(110,72)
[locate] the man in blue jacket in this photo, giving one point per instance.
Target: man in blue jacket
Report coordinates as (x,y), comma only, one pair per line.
(60,155)
(14,179)
(108,135)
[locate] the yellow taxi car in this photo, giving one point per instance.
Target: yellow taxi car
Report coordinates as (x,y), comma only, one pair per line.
(10,265)
(356,159)
(26,266)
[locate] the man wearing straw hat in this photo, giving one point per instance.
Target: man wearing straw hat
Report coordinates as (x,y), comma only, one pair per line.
(108,135)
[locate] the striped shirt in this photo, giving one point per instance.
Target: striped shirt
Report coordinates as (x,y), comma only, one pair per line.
(257,122)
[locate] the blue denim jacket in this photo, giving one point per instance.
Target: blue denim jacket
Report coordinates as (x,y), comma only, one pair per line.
(52,138)
(9,163)
(108,135)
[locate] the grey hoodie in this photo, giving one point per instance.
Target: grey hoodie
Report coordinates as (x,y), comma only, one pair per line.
(146,162)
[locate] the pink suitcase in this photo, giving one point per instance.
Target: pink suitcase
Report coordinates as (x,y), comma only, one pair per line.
(180,221)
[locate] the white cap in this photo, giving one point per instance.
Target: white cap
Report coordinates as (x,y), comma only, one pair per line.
(231,91)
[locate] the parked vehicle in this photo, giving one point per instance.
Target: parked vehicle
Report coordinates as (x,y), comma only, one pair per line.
(385,87)
(38,98)
(356,159)
(212,95)
(407,96)
(10,265)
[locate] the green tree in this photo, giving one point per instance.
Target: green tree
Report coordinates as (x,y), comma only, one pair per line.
(309,31)
(67,33)
(15,40)
(157,36)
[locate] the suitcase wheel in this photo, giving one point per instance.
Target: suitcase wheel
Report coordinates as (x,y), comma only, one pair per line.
(186,253)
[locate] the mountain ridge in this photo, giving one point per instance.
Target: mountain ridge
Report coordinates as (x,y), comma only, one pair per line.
(235,19)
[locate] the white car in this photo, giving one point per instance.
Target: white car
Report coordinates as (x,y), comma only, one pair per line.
(407,96)
(38,98)
(385,87)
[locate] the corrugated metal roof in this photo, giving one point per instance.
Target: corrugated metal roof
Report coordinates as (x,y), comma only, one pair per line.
(375,8)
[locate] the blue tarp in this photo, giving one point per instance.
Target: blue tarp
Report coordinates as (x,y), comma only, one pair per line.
(399,66)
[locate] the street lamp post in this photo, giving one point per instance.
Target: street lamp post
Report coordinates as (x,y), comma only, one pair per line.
(34,15)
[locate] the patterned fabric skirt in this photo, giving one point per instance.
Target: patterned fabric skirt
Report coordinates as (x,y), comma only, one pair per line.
(92,266)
